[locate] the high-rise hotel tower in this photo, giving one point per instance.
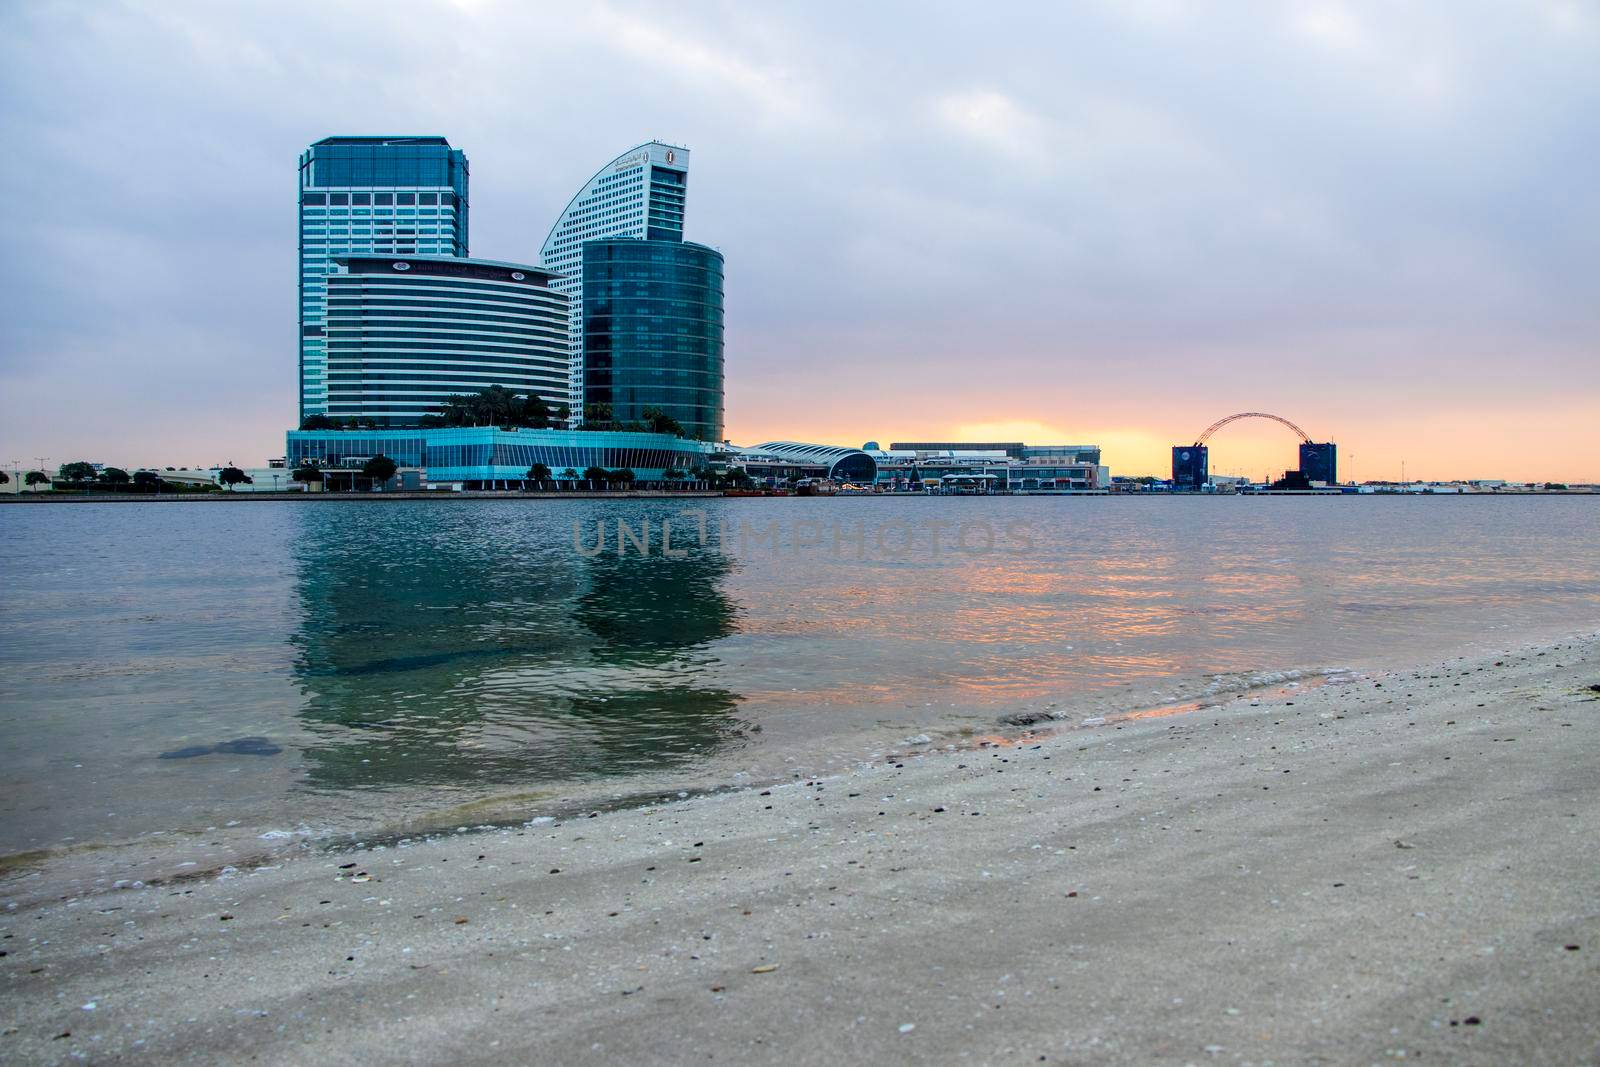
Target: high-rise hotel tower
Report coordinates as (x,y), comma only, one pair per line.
(639,194)
(400,196)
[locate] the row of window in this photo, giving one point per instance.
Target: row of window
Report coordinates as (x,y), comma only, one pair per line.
(352,199)
(532,307)
(373,355)
(707,379)
(426,338)
(319,215)
(427,311)
(398,285)
(607,316)
(464,376)
(421,394)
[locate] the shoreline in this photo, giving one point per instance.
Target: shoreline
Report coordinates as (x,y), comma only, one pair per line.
(398,494)
(1361,868)
(674,494)
(168,852)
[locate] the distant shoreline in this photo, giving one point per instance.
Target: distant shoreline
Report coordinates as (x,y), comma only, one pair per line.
(433,494)
(680,494)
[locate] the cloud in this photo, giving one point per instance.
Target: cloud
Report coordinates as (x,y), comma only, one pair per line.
(1121,219)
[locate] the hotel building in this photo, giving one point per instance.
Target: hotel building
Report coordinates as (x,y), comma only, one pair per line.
(640,194)
(403,334)
(653,331)
(396,196)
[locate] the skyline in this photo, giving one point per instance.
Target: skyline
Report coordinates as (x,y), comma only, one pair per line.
(1112,229)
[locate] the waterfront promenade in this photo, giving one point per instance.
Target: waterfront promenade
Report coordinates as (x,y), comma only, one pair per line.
(184,498)
(1395,867)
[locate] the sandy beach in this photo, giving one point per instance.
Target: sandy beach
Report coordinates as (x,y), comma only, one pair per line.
(1389,866)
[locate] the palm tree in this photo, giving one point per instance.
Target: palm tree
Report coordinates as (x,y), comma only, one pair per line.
(539,474)
(658,421)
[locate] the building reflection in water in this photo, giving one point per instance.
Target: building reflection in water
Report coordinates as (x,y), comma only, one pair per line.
(455,645)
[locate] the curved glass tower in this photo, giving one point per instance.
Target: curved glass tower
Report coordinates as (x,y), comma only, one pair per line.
(641,193)
(652,331)
(404,334)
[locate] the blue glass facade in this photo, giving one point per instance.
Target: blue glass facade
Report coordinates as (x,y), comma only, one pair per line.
(641,193)
(382,195)
(476,454)
(653,331)
(405,334)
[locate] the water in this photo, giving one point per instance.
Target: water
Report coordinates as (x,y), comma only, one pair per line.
(413,661)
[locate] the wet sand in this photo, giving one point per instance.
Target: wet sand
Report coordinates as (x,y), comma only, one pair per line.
(1386,867)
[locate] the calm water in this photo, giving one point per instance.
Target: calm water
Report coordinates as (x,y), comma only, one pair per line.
(407,658)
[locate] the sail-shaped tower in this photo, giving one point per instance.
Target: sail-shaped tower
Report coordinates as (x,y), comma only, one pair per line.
(639,194)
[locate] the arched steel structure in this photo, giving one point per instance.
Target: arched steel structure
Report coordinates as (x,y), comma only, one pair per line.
(1220,423)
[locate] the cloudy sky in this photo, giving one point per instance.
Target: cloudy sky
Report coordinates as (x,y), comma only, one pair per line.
(1103,221)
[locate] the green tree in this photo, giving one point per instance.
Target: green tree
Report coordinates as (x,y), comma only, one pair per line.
(535,413)
(80,471)
(658,421)
(597,417)
(115,476)
(562,414)
(317,422)
(494,405)
(596,476)
(5,479)
(232,476)
(147,481)
(538,474)
(36,478)
(622,475)
(379,468)
(569,475)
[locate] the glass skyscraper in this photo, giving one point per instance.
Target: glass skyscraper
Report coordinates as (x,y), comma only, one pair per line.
(405,334)
(639,194)
(652,331)
(384,195)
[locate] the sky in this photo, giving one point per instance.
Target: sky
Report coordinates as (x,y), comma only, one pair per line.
(1107,221)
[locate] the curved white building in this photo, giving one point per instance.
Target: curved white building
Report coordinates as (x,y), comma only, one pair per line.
(641,193)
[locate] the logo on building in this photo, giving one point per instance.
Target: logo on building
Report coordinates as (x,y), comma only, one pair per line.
(672,156)
(517,276)
(402,266)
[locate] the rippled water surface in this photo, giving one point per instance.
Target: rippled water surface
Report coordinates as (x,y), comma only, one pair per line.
(401,657)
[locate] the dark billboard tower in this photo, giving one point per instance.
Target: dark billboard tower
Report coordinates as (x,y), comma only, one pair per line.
(1319,461)
(1190,467)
